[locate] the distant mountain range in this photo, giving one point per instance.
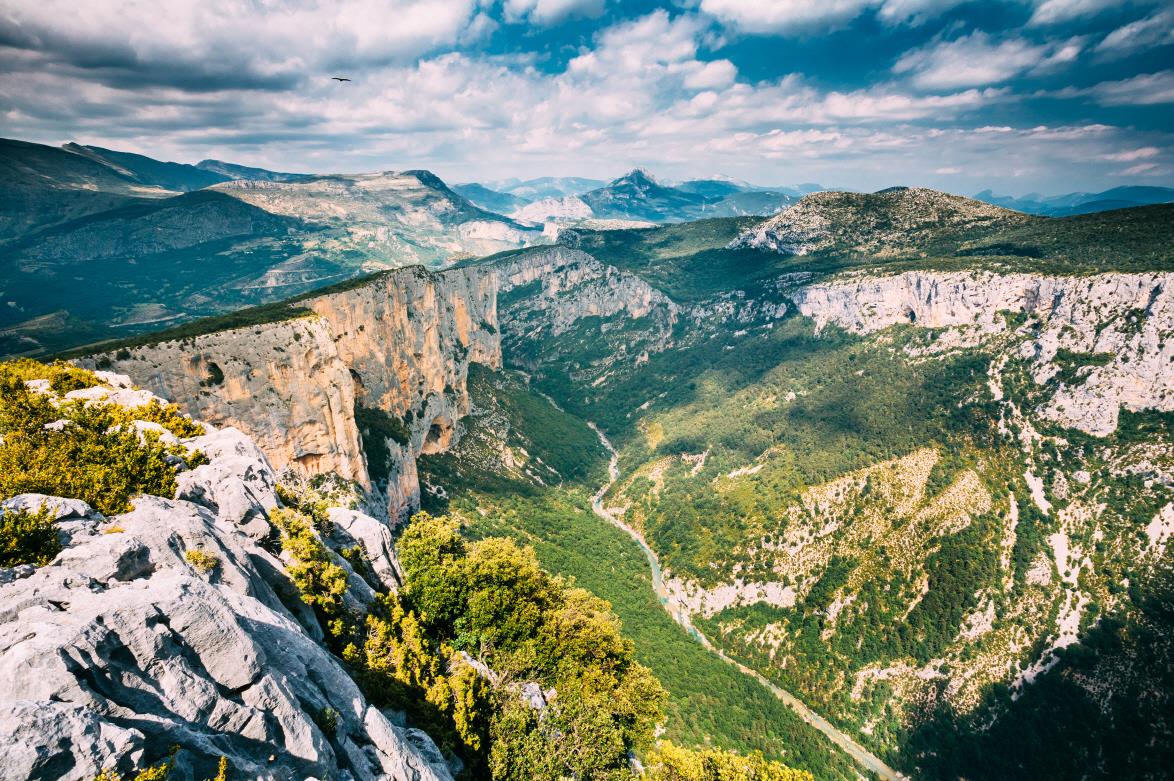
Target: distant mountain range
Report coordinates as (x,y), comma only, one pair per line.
(1081,203)
(635,197)
(98,242)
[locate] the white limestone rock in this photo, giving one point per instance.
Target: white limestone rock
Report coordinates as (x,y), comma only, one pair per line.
(352,527)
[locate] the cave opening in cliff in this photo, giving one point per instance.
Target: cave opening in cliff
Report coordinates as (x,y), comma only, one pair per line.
(438,437)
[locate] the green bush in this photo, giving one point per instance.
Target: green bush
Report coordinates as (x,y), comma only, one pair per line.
(670,762)
(27,538)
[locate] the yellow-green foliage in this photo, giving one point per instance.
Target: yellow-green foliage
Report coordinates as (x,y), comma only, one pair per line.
(158,772)
(27,538)
(92,454)
(169,416)
(669,762)
(62,377)
(491,599)
(203,561)
(321,580)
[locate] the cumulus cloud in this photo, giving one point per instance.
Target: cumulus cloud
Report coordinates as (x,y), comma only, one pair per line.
(658,90)
(977,60)
(218,44)
(551,12)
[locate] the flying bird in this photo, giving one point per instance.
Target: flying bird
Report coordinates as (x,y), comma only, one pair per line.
(339,78)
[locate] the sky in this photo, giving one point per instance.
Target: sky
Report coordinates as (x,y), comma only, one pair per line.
(1020,96)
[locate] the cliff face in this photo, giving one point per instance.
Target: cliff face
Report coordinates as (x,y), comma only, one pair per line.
(1126,319)
(400,344)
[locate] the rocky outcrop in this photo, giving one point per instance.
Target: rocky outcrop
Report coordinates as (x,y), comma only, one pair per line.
(1126,319)
(563,285)
(400,344)
(127,644)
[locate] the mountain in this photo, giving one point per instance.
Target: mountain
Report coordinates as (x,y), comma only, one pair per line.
(545,186)
(177,177)
(95,244)
(233,171)
(919,476)
(887,222)
(638,196)
(398,218)
(490,200)
(1081,203)
(44,185)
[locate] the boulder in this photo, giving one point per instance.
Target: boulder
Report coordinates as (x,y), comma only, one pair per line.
(352,527)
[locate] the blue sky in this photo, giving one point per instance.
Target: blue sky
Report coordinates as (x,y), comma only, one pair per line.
(1016,95)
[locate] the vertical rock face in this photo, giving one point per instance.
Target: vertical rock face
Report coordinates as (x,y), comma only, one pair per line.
(574,285)
(400,344)
(1127,318)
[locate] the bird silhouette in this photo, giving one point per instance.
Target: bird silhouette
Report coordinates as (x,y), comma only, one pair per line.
(339,78)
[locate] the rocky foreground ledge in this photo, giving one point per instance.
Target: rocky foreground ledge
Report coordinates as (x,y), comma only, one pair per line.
(176,626)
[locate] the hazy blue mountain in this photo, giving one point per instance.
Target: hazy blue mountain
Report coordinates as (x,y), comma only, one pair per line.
(546,186)
(1081,202)
(491,200)
(639,196)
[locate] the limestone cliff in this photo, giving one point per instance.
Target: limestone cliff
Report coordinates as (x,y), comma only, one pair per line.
(1128,319)
(400,344)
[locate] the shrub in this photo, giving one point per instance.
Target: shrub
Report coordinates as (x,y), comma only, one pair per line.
(669,762)
(27,538)
(202,560)
(321,581)
(62,376)
(94,455)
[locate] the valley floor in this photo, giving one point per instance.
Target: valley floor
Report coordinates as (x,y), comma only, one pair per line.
(680,614)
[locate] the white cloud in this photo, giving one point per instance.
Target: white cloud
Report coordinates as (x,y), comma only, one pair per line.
(712,75)
(1155,30)
(1147,89)
(1141,169)
(948,170)
(215,43)
(976,60)
(1057,11)
(550,12)
(1143,153)
(799,16)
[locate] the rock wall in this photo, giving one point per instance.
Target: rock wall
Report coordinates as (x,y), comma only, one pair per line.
(1129,318)
(572,285)
(400,343)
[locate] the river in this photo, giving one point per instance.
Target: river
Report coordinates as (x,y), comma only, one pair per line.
(681,615)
